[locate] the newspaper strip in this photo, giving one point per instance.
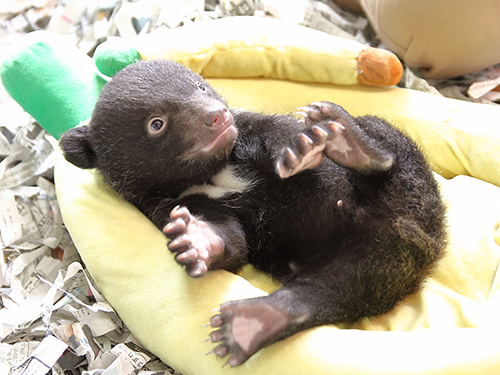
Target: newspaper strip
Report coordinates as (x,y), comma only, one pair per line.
(481,88)
(42,359)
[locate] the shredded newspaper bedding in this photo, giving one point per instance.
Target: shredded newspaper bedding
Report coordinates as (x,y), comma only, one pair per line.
(52,318)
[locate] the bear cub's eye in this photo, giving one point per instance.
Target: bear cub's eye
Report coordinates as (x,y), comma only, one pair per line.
(156,126)
(201,87)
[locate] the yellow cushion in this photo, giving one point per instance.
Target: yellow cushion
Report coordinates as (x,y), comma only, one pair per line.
(450,327)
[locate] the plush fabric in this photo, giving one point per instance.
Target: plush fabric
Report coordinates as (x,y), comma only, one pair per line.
(450,327)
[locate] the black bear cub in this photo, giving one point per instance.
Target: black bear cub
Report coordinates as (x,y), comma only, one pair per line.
(343,211)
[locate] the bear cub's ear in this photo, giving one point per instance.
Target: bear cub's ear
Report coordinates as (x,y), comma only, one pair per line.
(77,148)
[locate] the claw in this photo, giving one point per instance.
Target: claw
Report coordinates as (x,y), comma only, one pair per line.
(292,157)
(321,133)
(282,170)
(335,126)
(306,142)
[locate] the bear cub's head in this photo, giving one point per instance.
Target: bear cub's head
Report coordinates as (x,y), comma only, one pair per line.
(156,127)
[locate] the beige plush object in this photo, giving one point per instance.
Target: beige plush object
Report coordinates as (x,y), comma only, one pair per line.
(446,38)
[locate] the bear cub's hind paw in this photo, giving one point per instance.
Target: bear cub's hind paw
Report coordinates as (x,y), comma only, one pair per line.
(194,242)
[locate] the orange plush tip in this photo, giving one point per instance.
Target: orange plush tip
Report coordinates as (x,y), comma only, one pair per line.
(378,67)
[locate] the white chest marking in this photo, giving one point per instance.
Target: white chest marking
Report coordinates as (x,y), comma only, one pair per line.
(224,183)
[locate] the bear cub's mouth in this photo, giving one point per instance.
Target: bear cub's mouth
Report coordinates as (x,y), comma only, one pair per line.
(225,135)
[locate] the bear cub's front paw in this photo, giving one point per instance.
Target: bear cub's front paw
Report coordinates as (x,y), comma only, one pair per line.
(306,149)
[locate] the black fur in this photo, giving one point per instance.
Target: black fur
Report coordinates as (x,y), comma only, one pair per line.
(347,239)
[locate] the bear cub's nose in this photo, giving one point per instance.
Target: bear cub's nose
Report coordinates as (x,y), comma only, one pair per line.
(216,117)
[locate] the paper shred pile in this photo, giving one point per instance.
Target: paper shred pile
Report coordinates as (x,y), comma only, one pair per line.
(52,318)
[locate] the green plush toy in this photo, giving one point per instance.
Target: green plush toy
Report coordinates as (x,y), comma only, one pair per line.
(52,80)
